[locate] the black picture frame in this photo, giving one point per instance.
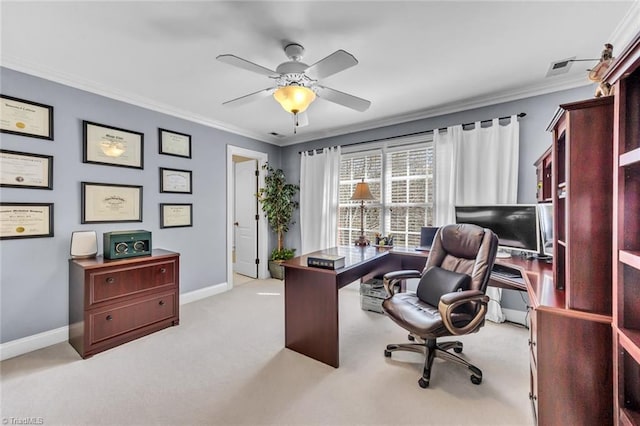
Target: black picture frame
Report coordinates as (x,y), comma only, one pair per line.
(176,181)
(105,202)
(95,140)
(174,143)
(172,215)
(21,220)
(30,178)
(18,113)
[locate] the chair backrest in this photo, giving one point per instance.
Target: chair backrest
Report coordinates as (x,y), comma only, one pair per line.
(465,248)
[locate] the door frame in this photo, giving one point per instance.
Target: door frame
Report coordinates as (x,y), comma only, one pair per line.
(263,243)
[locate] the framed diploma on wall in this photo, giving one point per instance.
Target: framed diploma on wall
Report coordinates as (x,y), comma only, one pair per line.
(26,220)
(176,215)
(174,143)
(26,118)
(174,180)
(112,146)
(108,202)
(25,170)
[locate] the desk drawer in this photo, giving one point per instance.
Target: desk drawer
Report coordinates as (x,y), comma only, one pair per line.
(107,323)
(111,284)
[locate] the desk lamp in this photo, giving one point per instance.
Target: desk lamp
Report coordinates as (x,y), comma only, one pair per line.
(361,194)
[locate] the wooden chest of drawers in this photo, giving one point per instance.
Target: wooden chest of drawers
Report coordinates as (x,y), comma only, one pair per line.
(112,302)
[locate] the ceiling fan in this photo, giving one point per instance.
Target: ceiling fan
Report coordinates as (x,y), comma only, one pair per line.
(296,83)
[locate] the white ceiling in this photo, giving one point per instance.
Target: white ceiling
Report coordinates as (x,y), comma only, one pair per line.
(416,59)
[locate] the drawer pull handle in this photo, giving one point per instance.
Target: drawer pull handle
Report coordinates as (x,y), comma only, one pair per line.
(109,317)
(163,270)
(532,396)
(531,343)
(110,280)
(161,303)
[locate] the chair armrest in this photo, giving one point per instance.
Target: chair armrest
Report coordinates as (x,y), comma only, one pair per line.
(450,301)
(391,280)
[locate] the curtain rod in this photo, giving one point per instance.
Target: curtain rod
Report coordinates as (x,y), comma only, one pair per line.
(425,132)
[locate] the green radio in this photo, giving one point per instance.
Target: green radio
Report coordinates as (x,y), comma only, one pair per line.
(122,244)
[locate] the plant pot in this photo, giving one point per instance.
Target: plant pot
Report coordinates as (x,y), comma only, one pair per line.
(276,269)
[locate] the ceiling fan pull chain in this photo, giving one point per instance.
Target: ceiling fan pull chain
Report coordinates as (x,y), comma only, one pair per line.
(295,122)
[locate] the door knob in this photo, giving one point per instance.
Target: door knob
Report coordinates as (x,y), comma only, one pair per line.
(236,223)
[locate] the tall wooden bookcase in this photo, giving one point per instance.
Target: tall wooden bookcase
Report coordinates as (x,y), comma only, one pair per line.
(582,181)
(625,78)
(572,367)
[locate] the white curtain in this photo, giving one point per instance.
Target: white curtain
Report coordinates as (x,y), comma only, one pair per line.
(478,166)
(319,183)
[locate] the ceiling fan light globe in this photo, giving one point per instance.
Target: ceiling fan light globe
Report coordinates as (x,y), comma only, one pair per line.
(294,98)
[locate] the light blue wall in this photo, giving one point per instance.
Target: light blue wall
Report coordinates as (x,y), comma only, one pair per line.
(34,272)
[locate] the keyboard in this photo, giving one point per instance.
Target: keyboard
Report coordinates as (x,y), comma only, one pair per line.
(505,272)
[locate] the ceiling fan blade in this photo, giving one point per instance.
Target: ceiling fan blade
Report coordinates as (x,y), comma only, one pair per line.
(332,64)
(251,97)
(244,64)
(303,119)
(342,98)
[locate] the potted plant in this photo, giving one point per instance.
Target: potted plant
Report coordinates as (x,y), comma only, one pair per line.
(277,202)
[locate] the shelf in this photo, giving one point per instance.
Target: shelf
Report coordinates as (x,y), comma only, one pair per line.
(630,158)
(630,340)
(562,185)
(629,418)
(631,258)
(562,243)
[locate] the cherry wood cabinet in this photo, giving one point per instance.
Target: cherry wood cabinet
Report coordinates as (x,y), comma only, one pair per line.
(543,177)
(624,76)
(582,180)
(112,302)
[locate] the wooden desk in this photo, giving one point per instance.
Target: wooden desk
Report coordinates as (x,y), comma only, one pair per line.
(311,295)
(570,353)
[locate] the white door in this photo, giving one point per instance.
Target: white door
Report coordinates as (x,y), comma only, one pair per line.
(245,222)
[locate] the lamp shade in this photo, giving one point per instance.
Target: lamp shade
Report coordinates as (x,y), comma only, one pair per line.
(362,192)
(294,99)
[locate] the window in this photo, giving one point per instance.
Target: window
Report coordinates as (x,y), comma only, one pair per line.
(401,180)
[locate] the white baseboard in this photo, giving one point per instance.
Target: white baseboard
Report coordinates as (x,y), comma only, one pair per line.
(514,315)
(52,337)
(31,343)
(203,293)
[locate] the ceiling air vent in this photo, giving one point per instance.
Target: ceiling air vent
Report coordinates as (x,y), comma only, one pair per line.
(278,135)
(560,67)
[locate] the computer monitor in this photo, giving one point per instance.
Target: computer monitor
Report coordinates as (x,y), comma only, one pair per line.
(545,214)
(427,234)
(516,225)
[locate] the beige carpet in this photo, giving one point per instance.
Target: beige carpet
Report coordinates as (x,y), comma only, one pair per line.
(225,364)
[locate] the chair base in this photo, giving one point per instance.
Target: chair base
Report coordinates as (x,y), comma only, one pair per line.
(431,350)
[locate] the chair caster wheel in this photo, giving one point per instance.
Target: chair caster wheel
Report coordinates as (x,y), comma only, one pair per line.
(423,383)
(387,353)
(476,380)
(457,350)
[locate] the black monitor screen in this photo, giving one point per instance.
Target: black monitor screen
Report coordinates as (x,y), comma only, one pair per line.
(516,225)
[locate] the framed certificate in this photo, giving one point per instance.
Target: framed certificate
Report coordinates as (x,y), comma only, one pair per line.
(107,202)
(26,118)
(174,143)
(176,215)
(26,220)
(112,146)
(24,170)
(174,180)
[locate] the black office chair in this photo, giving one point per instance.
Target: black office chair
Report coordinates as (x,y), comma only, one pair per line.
(450,299)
